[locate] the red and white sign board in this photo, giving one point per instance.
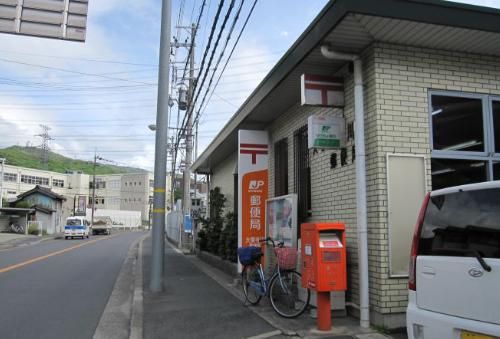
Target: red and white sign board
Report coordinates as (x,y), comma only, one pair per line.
(319,90)
(253,158)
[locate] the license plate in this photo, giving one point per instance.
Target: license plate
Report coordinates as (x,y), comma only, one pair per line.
(472,335)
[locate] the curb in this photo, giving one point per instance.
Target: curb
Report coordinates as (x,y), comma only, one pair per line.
(120,318)
(137,300)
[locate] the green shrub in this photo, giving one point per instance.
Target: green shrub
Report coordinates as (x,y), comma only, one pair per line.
(201,240)
(212,227)
(231,237)
(23,204)
(33,229)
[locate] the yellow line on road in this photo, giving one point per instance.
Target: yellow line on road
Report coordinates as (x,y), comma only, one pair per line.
(31,261)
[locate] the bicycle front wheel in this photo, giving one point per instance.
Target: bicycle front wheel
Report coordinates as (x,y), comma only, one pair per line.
(252,284)
(288,298)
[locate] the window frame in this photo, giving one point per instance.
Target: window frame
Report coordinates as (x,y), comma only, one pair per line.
(490,154)
(496,152)
(486,132)
(281,167)
(302,170)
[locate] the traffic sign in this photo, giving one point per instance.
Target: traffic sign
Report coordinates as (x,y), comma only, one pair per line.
(57,19)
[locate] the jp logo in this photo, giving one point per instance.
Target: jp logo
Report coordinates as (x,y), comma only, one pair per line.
(255,184)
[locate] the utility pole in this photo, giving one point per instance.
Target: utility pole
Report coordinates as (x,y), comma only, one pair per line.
(189,133)
(161,141)
(2,162)
(93,190)
(173,154)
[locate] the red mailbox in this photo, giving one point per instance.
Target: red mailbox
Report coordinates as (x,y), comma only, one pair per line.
(324,264)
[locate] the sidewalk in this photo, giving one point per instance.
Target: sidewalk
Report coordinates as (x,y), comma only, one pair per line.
(9,240)
(200,301)
(193,305)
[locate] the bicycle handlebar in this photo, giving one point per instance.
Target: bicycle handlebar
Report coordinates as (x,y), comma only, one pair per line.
(269,239)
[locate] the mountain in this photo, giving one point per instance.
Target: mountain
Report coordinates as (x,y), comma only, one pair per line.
(30,157)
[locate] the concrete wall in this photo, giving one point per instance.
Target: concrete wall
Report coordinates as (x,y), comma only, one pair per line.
(223,177)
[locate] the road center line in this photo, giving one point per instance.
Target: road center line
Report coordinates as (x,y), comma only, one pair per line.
(33,260)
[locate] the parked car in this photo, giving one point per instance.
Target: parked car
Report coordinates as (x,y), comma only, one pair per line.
(454,278)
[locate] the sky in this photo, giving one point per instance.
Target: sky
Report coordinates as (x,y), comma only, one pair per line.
(100,96)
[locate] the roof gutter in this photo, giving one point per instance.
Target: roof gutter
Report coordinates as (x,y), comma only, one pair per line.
(359,113)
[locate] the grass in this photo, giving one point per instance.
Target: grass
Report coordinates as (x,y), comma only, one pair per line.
(30,157)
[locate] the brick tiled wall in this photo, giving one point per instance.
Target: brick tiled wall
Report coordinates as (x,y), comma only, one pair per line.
(397,80)
(403,77)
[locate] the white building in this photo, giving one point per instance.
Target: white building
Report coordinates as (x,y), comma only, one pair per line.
(126,192)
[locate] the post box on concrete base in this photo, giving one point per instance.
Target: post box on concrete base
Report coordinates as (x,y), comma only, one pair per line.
(324,264)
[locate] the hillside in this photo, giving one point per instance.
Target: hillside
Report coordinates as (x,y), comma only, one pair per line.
(30,157)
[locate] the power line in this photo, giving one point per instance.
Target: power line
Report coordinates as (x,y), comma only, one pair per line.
(228,38)
(70,71)
(191,101)
(230,55)
(119,62)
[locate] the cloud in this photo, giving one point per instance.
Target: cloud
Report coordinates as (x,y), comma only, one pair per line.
(284,33)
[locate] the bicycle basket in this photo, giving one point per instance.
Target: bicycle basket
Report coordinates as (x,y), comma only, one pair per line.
(249,255)
(287,257)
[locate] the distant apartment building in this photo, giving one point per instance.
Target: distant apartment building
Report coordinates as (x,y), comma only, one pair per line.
(126,192)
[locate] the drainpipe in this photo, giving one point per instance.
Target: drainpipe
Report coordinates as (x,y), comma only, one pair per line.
(364,305)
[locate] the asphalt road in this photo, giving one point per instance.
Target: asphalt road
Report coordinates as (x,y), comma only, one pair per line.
(59,288)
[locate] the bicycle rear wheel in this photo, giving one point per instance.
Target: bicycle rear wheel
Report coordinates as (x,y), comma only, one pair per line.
(288,298)
(252,284)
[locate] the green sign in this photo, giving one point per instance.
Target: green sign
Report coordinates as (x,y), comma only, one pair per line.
(325,132)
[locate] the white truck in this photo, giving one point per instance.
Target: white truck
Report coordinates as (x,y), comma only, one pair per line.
(102,225)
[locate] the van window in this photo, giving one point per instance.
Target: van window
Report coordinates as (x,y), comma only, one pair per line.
(462,224)
(73,222)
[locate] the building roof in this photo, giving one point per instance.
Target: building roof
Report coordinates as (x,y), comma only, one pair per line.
(351,26)
(42,190)
(17,210)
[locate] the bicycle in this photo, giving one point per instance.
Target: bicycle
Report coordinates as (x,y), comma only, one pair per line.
(283,288)
(16,228)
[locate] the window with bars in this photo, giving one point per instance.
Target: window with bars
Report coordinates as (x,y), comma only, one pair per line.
(302,174)
(57,183)
(281,167)
(31,179)
(11,177)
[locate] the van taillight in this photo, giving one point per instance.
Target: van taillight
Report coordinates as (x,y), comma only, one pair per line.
(412,282)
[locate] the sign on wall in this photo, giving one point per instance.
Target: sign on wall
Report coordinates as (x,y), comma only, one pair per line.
(281,219)
(253,148)
(320,90)
(325,132)
(188,224)
(58,19)
(406,189)
(80,205)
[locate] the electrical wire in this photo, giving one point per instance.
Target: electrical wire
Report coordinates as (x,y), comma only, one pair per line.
(221,55)
(230,55)
(70,71)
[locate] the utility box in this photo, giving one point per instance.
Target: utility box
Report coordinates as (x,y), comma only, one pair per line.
(324,257)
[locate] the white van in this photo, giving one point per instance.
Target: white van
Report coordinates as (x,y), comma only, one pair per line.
(76,227)
(454,278)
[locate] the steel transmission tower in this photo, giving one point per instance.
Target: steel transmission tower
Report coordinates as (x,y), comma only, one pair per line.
(44,156)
